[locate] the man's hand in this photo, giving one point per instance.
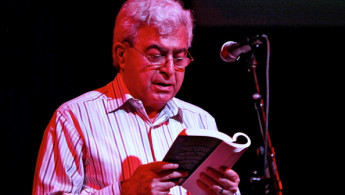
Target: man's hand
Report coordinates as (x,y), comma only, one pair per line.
(153,178)
(223,181)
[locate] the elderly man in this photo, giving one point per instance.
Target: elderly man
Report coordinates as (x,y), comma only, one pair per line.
(112,140)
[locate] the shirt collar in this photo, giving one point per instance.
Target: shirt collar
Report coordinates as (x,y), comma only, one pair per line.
(119,95)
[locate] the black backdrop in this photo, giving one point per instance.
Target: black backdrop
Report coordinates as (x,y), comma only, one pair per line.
(52,51)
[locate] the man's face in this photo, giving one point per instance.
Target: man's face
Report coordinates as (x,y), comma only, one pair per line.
(154,86)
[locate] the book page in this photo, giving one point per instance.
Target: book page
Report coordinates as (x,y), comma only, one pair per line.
(224,155)
(190,151)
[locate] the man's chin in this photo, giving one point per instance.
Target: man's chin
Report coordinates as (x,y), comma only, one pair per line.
(161,99)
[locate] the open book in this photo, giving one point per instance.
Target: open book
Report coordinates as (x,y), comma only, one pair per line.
(196,149)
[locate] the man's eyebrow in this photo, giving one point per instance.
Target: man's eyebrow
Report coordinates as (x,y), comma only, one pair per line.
(164,50)
(155,46)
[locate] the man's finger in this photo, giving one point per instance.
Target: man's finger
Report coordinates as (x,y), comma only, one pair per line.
(162,166)
(174,175)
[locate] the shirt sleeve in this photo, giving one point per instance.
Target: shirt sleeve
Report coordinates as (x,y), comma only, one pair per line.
(60,161)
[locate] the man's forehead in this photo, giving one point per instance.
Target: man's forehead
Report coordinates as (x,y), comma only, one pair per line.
(150,37)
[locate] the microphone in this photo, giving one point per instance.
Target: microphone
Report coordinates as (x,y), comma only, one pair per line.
(231,51)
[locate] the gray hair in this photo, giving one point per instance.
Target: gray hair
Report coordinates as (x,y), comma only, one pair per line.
(165,15)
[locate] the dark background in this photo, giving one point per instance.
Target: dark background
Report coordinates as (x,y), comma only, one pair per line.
(52,51)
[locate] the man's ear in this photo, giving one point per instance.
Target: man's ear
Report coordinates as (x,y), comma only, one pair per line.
(119,54)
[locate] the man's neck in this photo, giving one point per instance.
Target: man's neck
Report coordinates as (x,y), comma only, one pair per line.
(152,114)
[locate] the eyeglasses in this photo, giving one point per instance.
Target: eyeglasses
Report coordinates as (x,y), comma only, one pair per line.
(158,61)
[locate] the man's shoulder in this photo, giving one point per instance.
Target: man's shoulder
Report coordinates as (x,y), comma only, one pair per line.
(93,96)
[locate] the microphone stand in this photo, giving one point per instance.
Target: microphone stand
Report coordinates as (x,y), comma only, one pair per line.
(269,152)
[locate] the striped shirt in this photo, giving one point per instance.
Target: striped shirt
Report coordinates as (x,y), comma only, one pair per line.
(97,140)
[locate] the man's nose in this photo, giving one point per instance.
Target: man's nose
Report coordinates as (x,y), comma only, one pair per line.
(168,68)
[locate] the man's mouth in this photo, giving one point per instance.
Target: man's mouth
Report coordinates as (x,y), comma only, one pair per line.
(163,86)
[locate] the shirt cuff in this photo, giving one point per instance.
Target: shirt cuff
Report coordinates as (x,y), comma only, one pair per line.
(237,192)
